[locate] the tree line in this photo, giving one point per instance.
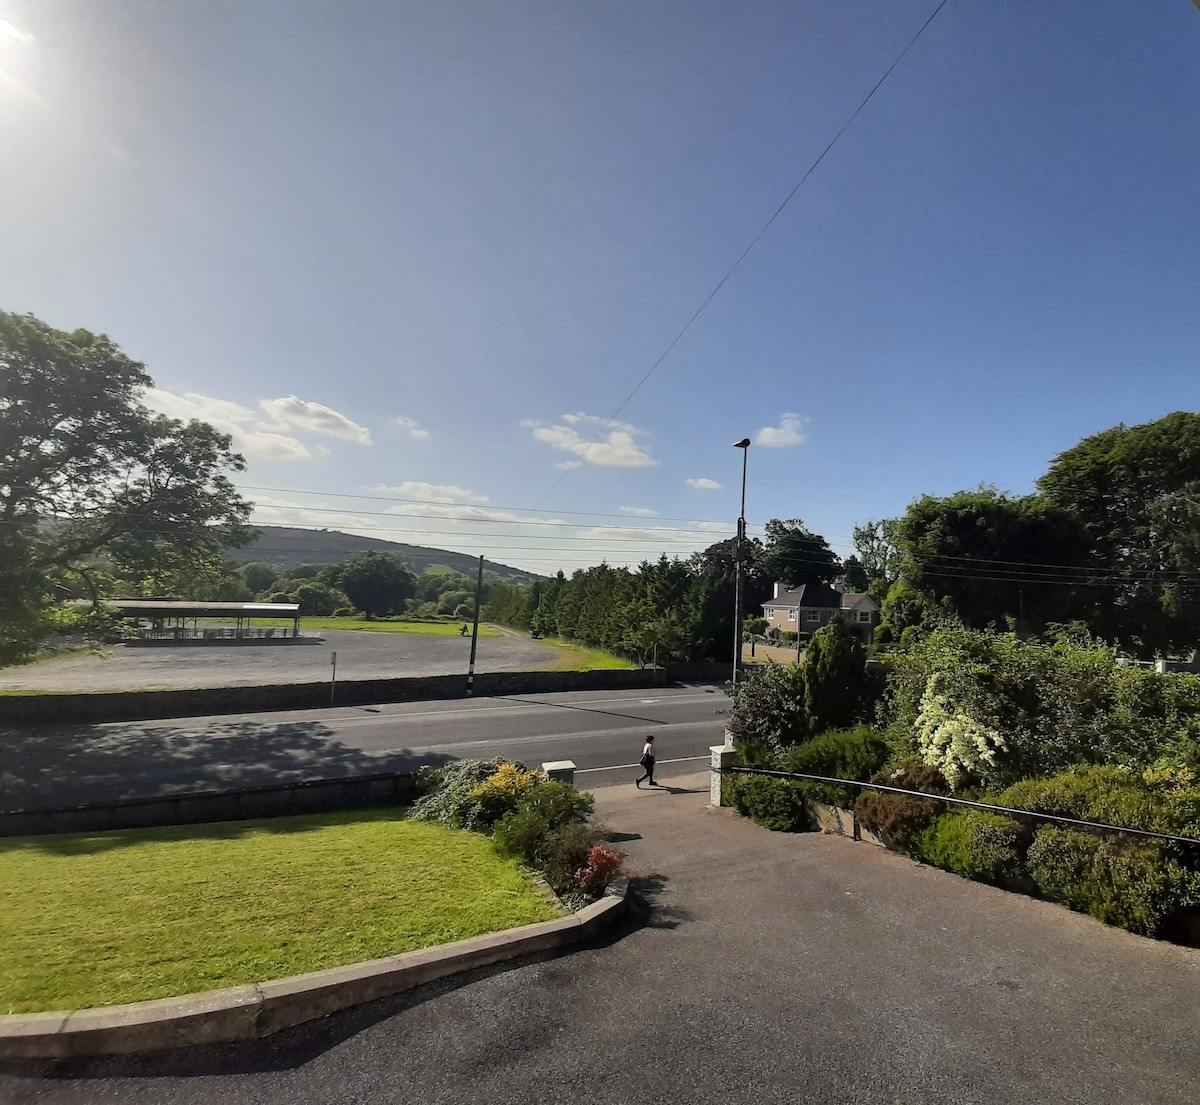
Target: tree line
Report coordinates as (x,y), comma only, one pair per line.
(1107,544)
(99,496)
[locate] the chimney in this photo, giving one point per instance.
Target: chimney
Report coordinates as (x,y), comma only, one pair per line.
(779,589)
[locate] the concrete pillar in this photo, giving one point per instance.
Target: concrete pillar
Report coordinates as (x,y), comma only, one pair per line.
(562,771)
(722,757)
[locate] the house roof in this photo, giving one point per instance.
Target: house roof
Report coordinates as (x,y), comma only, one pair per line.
(858,602)
(167,608)
(811,595)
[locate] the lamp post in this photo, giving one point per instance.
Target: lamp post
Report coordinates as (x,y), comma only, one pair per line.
(744,445)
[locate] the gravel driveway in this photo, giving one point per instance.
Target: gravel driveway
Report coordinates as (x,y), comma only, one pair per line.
(362,654)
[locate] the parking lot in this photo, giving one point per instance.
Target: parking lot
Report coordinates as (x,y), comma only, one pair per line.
(361,654)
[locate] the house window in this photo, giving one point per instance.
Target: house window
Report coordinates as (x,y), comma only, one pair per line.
(814,616)
(864,615)
(791,615)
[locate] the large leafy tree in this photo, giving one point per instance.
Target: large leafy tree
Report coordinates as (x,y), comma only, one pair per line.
(875,548)
(796,555)
(377,583)
(994,556)
(87,471)
(1136,493)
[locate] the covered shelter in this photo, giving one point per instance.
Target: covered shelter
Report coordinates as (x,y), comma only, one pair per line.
(167,620)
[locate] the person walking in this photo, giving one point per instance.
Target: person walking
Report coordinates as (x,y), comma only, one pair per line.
(647,761)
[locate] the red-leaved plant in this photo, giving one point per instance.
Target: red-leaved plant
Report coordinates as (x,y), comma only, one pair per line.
(595,875)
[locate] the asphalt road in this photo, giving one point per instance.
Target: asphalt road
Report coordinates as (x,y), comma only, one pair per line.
(764,968)
(602,731)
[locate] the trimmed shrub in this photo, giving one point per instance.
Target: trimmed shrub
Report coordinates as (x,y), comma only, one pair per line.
(976,844)
(776,804)
(898,819)
(1114,796)
(842,753)
(1134,886)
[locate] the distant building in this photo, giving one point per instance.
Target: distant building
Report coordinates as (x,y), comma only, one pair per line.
(816,604)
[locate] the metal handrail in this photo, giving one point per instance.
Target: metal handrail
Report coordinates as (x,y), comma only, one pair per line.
(1174,839)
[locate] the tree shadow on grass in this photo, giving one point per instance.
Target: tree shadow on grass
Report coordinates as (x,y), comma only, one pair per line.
(98,764)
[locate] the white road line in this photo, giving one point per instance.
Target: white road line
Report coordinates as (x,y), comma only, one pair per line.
(536,738)
(627,767)
(508,711)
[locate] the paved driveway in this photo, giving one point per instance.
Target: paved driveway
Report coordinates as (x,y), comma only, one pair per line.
(769,968)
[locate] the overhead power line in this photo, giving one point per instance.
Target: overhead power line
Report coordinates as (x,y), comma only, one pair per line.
(746,252)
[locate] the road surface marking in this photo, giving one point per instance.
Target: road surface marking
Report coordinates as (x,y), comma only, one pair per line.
(626,767)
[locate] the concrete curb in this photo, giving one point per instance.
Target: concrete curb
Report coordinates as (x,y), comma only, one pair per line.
(253,1011)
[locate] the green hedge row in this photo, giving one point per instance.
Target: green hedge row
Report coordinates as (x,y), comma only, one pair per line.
(1148,887)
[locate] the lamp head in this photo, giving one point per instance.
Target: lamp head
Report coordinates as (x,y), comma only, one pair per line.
(743,444)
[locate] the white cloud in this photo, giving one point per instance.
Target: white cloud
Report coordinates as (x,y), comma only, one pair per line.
(299,414)
(269,446)
(569,465)
(638,511)
(412,426)
(788,432)
(581,419)
(225,416)
(430,492)
(614,447)
(714,527)
(703,485)
(241,423)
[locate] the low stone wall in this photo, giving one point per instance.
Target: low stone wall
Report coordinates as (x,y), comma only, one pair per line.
(311,796)
(698,673)
(145,705)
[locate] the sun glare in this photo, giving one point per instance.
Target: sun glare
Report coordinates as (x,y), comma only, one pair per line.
(9,33)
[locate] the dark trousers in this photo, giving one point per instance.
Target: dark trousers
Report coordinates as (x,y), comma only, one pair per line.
(649,772)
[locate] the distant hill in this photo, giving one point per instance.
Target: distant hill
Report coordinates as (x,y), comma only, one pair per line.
(287,547)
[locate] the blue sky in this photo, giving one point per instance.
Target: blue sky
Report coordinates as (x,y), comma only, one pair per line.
(425,253)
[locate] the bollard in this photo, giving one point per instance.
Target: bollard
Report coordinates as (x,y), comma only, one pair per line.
(562,771)
(722,757)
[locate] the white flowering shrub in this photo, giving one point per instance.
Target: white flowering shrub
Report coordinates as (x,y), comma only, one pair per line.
(951,740)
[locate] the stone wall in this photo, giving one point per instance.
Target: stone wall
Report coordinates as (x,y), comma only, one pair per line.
(145,705)
(279,800)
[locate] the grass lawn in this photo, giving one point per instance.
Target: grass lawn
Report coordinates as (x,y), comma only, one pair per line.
(107,918)
(431,629)
(577,658)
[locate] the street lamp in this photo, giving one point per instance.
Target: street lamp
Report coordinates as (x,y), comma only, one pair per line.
(744,445)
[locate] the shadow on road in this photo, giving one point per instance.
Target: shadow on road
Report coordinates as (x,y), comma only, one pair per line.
(582,709)
(87,764)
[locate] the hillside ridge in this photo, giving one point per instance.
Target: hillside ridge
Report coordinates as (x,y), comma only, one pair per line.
(290,546)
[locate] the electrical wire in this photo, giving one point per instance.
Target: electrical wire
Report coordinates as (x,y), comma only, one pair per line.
(746,252)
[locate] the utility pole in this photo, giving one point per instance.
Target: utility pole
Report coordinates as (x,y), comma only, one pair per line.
(744,445)
(475,631)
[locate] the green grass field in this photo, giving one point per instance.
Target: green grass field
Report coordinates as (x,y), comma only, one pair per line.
(577,658)
(431,629)
(107,918)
